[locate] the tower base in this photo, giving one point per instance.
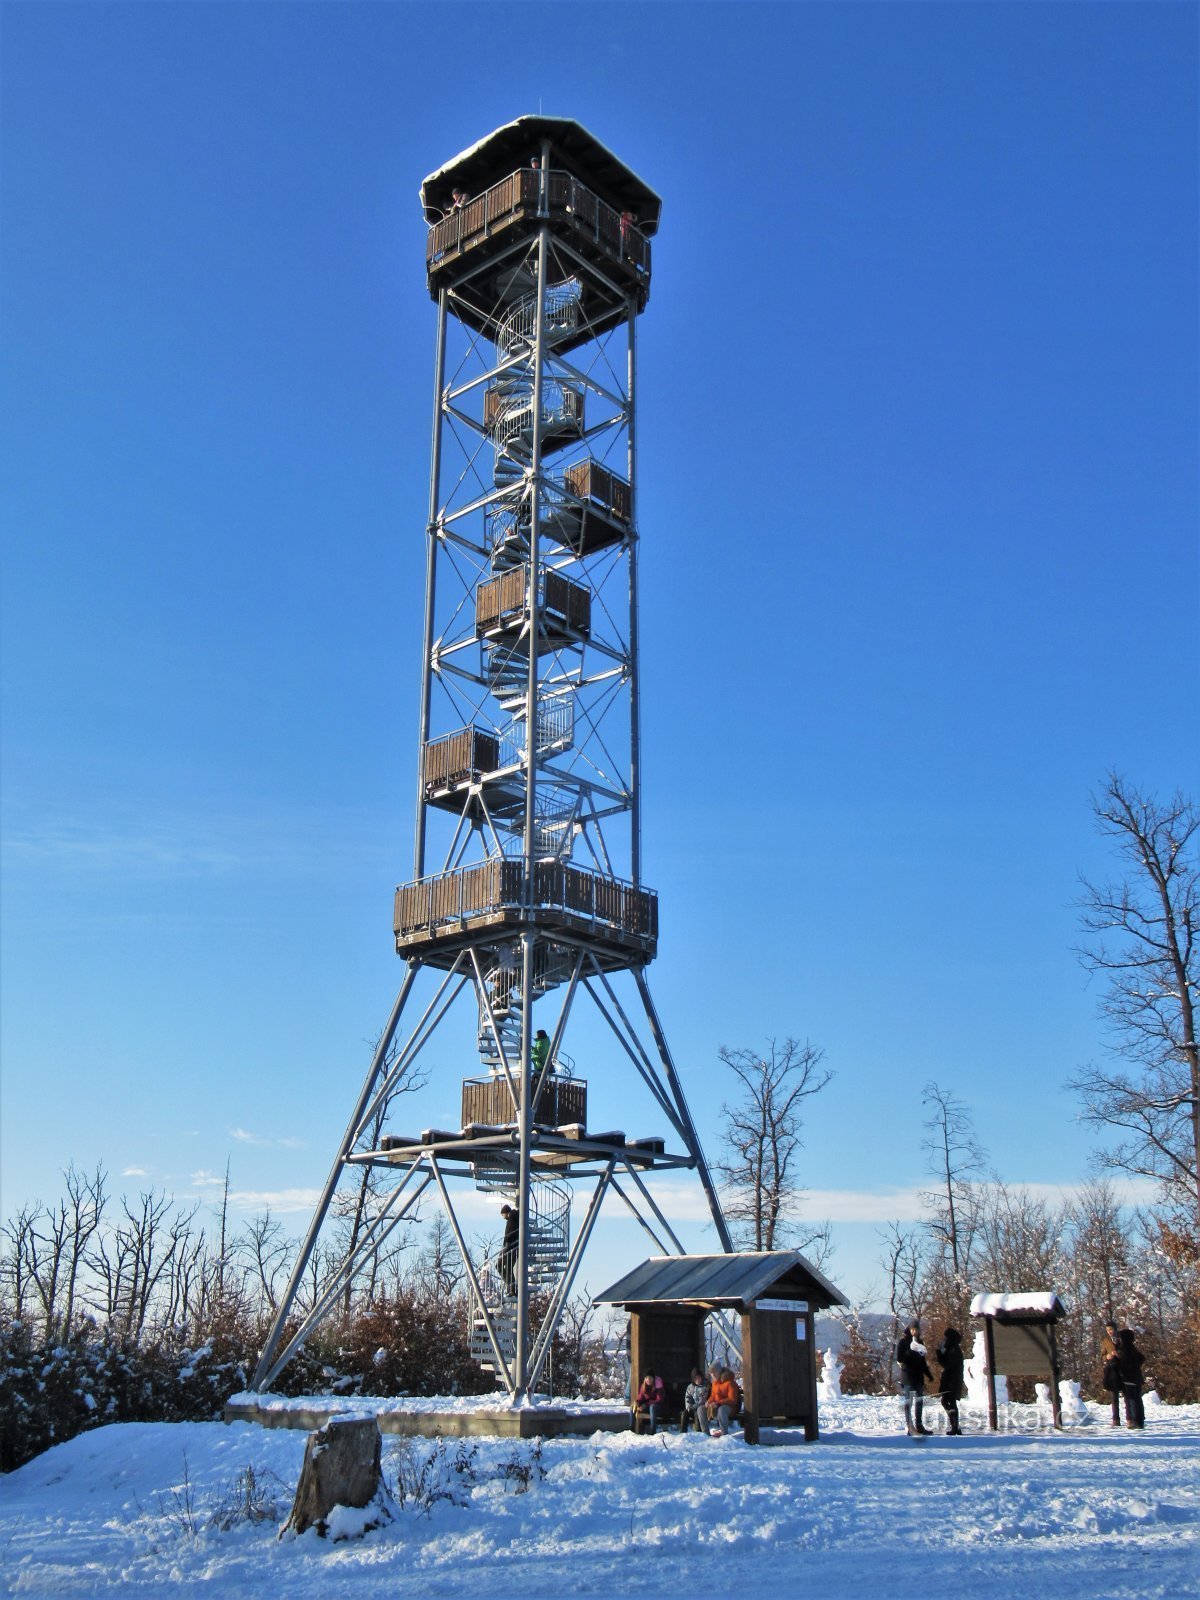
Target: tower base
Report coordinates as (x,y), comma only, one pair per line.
(393,1416)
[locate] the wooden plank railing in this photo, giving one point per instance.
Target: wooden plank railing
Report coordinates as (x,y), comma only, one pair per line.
(518,194)
(453,899)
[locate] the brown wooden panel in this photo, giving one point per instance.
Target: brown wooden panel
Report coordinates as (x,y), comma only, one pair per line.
(1023,1350)
(489,1100)
(780,1370)
(592,482)
(487,604)
(579,890)
(609,900)
(459,756)
(510,881)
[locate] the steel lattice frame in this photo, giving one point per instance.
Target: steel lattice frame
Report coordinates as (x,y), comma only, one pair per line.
(560,703)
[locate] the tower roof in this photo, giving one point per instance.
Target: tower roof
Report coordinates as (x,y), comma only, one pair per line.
(517,143)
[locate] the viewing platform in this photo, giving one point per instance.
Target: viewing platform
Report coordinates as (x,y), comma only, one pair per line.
(585,509)
(439,914)
(502,609)
(485,206)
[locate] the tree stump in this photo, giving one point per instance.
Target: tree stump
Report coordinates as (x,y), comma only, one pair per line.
(341,1468)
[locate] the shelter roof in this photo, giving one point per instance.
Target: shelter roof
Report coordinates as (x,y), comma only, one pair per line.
(1029,1304)
(517,143)
(731,1280)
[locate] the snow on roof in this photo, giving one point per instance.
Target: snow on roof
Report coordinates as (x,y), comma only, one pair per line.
(1028,1304)
(511,146)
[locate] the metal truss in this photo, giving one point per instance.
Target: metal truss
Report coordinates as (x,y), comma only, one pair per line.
(532,506)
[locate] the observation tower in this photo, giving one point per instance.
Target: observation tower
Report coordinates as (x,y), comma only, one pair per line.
(526,900)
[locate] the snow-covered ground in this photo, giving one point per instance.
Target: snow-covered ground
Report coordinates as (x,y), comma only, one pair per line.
(1094,1512)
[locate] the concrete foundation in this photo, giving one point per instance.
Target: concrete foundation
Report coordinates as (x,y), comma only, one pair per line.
(546,1422)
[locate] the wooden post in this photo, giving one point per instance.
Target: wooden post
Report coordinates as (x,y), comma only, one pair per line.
(989,1345)
(1055,1402)
(749,1386)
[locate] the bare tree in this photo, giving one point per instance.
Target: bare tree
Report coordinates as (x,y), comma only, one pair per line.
(439,1268)
(56,1245)
(129,1262)
(1142,933)
(1097,1267)
(360,1204)
(904,1264)
(954,1156)
(1021,1240)
(20,1239)
(266,1252)
(762,1133)
(86,1200)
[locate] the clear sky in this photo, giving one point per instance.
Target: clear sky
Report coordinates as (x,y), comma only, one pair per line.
(918,427)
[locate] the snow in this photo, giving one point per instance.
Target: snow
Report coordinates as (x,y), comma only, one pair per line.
(367,1406)
(1095,1512)
(1038,1304)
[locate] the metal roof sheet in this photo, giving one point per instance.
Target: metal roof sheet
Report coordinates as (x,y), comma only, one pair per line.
(737,1278)
(514,145)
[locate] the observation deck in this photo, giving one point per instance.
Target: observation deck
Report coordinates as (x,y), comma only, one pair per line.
(602,213)
(436,916)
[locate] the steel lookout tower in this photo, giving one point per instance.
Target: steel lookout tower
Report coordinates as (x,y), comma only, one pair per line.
(526,900)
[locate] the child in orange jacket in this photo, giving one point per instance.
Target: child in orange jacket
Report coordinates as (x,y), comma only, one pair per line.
(724,1400)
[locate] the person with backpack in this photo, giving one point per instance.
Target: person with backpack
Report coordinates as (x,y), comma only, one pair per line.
(914,1374)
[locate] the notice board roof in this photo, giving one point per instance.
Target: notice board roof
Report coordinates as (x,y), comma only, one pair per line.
(734,1279)
(1042,1304)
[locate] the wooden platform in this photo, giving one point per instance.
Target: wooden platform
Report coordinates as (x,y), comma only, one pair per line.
(507,1422)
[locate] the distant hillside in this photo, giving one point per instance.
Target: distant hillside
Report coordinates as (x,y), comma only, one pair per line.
(831,1333)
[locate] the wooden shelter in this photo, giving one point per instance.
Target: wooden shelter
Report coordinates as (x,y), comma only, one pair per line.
(1019,1341)
(776,1293)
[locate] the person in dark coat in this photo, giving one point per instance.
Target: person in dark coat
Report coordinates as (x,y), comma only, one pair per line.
(1132,1361)
(914,1374)
(507,1261)
(1110,1355)
(950,1359)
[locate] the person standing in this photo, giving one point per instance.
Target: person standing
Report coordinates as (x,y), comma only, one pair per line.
(950,1388)
(541,1050)
(1132,1361)
(914,1374)
(1110,1355)
(507,1260)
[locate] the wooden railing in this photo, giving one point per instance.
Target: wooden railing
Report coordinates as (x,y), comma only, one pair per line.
(455,899)
(588,480)
(459,756)
(489,1101)
(505,599)
(585,213)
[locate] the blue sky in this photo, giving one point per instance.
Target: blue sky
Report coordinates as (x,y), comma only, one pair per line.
(919,559)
